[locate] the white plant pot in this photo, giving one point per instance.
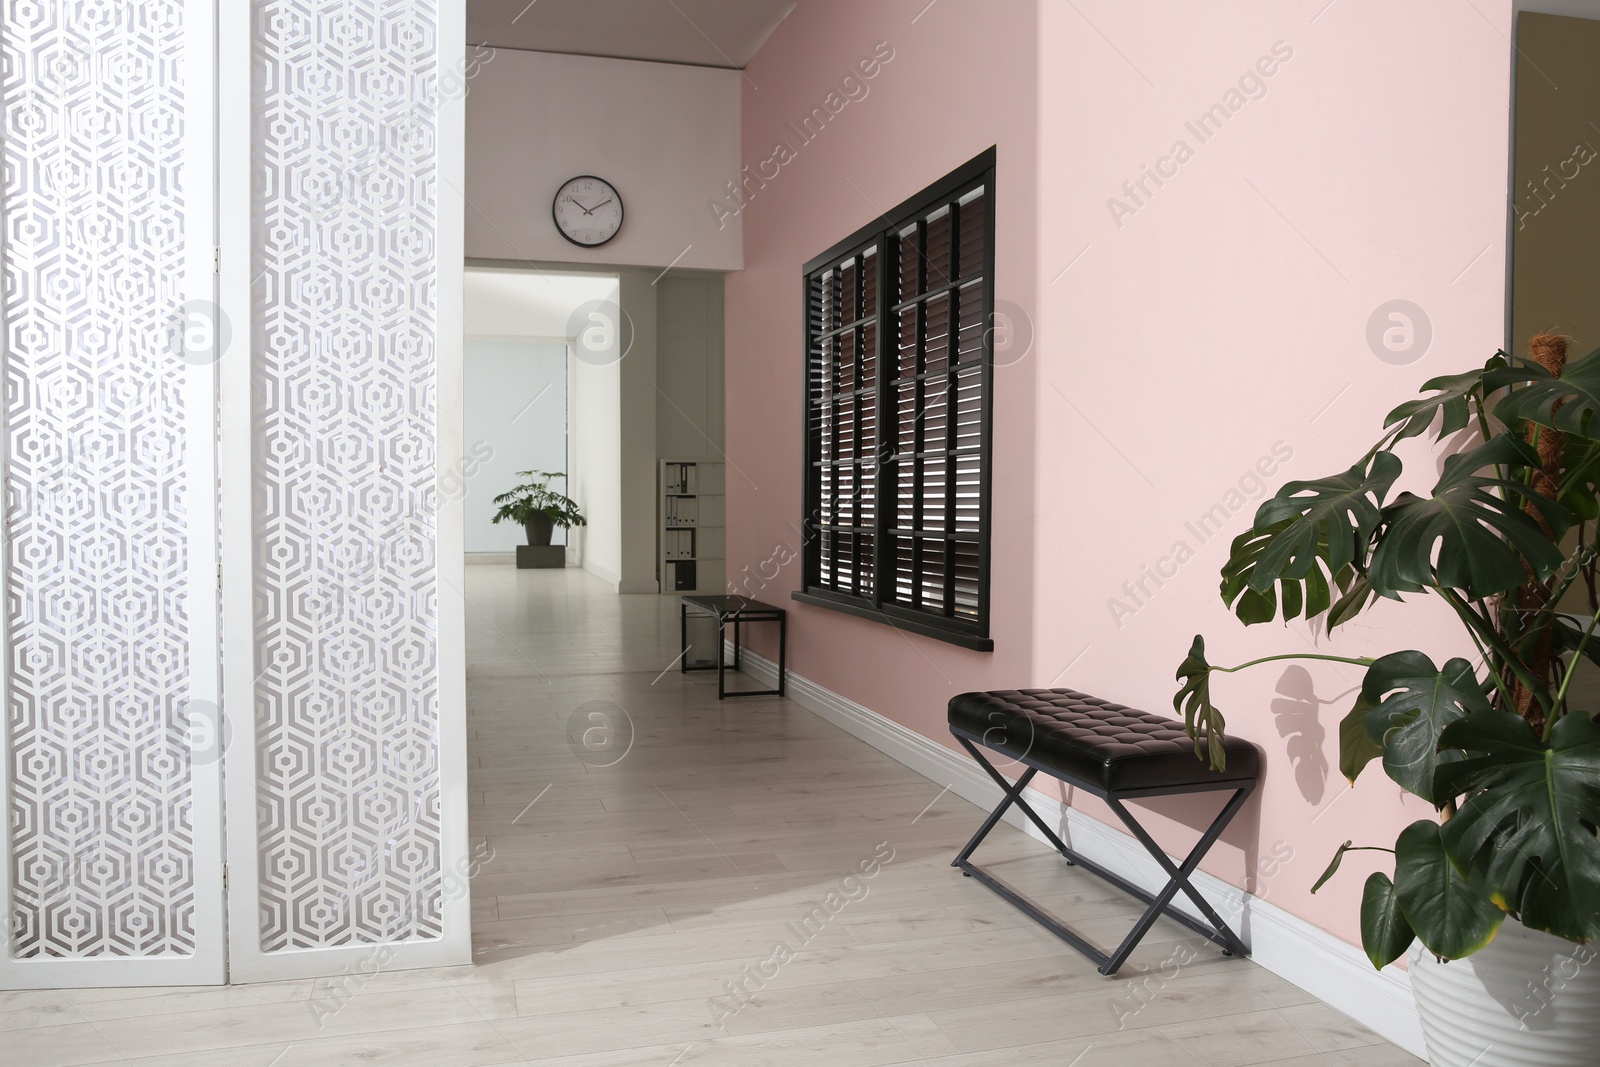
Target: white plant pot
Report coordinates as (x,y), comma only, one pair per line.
(1527,1000)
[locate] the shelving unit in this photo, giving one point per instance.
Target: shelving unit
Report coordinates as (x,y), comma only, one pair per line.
(692,546)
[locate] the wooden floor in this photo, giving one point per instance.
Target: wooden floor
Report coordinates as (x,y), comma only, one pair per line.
(637,895)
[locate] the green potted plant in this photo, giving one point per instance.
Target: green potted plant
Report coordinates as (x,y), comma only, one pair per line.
(1497,743)
(537,508)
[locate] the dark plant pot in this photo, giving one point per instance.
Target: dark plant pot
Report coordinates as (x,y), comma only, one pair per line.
(539,528)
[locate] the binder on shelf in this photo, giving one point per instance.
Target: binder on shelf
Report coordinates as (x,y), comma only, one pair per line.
(676,478)
(682,511)
(679,544)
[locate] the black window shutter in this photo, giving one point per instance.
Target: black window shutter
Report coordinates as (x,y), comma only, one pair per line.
(898,403)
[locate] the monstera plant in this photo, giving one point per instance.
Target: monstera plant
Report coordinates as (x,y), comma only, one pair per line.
(537,508)
(1496,742)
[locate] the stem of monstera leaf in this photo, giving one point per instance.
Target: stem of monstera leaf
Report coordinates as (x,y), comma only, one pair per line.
(1388,439)
(1359,662)
(1581,557)
(1493,639)
(1483,417)
(1561,694)
(1488,661)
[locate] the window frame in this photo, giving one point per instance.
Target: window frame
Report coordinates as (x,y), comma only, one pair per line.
(883,233)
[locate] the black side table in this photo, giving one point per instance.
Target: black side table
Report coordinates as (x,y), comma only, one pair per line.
(737,610)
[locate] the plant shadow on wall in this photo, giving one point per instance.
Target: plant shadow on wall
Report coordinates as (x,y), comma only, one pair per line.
(1506,534)
(1296,712)
(537,508)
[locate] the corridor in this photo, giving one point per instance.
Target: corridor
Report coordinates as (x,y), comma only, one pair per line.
(744,885)
(635,906)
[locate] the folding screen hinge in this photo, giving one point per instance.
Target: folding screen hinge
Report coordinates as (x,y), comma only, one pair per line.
(216,259)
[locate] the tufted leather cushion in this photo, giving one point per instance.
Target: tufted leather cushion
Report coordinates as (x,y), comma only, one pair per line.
(1092,741)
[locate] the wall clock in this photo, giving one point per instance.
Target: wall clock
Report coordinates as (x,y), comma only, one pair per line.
(587,210)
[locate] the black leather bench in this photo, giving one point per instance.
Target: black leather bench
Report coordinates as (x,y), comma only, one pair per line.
(1116,753)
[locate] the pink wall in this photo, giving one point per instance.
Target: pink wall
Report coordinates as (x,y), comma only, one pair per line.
(930,108)
(1229,313)
(1220,324)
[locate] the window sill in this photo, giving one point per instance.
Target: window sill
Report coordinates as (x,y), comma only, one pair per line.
(899,622)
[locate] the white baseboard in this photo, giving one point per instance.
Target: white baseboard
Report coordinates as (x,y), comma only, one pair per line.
(490,557)
(603,573)
(1325,966)
(637,585)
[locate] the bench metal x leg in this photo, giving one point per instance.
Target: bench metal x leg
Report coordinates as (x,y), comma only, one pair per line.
(1178,876)
(1013,796)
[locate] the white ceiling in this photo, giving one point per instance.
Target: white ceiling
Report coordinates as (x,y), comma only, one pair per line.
(707,33)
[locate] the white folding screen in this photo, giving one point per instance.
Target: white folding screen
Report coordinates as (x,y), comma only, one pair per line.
(342,565)
(112,865)
(327,383)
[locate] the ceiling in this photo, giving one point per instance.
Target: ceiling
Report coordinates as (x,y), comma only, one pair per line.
(707,33)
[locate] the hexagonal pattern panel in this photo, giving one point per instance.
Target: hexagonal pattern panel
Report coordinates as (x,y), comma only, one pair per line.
(345,213)
(100,840)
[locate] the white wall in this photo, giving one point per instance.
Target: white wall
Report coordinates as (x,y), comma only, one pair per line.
(595,456)
(638,438)
(516,420)
(667,136)
(689,367)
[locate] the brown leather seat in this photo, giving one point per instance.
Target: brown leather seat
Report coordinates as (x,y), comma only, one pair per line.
(1102,745)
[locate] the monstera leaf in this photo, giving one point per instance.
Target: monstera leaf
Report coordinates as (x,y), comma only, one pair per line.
(1452,392)
(1580,478)
(1194,700)
(1527,823)
(1355,592)
(1385,933)
(1567,636)
(1309,594)
(1465,537)
(1356,749)
(1577,391)
(1412,702)
(1452,915)
(1328,521)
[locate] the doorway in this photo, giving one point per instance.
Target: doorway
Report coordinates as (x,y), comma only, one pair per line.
(541,395)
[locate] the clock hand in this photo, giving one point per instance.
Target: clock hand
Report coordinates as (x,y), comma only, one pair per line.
(602,204)
(585,210)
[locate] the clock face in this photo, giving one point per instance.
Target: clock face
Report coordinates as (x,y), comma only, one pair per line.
(587,211)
